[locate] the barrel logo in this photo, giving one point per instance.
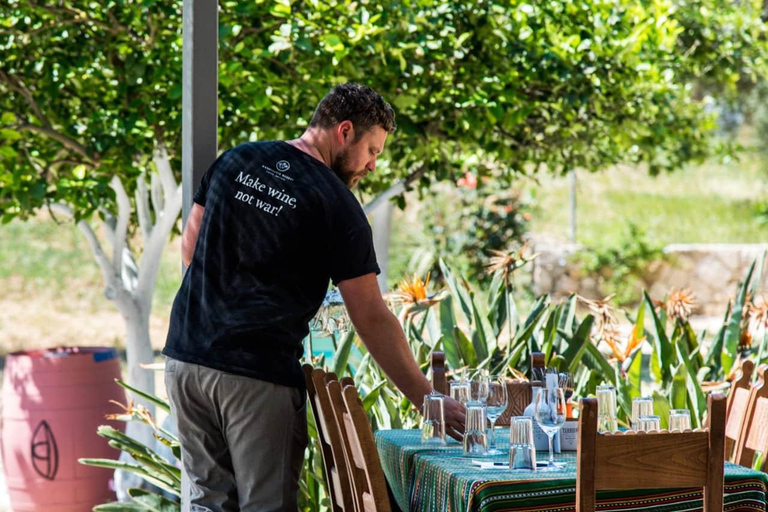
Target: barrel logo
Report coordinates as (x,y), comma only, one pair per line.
(45,454)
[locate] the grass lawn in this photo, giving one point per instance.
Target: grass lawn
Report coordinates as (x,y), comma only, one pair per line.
(53,289)
(715,202)
(710,203)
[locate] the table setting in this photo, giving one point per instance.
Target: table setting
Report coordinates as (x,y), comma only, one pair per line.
(530,465)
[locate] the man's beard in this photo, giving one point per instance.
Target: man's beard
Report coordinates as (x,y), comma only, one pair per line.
(341,167)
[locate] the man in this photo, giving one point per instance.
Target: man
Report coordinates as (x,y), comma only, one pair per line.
(272,224)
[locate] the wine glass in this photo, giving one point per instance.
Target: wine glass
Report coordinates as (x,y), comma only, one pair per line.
(332,318)
(550,415)
(495,404)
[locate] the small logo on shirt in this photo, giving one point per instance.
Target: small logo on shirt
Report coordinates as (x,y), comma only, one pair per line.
(282,165)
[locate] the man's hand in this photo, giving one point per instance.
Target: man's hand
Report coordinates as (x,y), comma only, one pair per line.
(455,415)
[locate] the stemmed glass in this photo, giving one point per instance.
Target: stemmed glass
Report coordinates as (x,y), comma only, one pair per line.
(550,415)
(332,318)
(495,404)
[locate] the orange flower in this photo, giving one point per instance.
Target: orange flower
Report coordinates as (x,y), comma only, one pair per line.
(414,290)
(412,295)
(508,262)
(745,340)
(680,304)
(758,314)
(469,181)
(131,411)
(633,341)
(605,314)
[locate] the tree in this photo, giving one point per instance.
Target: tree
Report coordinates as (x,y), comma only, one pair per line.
(87,118)
(91,93)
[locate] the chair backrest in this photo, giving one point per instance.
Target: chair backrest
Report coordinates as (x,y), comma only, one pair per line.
(370,483)
(656,460)
(736,409)
(337,475)
(518,397)
(742,381)
(754,432)
(438,372)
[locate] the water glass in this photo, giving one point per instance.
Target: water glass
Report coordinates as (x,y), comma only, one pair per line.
(648,423)
(475,442)
(460,391)
(550,412)
(606,409)
(496,404)
(679,420)
(522,451)
(433,419)
(478,391)
(642,406)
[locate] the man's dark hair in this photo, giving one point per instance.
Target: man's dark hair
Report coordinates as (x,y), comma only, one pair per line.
(356,103)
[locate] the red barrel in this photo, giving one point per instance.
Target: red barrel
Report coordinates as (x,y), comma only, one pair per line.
(52,402)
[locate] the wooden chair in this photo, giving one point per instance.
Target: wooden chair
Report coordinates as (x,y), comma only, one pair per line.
(518,397)
(754,433)
(655,460)
(337,477)
(357,479)
(370,484)
(741,382)
(439,383)
(736,409)
(518,392)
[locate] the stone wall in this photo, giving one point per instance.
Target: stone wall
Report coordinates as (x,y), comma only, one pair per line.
(711,271)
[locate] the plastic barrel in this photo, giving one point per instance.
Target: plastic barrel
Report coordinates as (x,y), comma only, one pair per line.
(52,403)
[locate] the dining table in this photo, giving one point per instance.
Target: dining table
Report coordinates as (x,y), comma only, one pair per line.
(427,477)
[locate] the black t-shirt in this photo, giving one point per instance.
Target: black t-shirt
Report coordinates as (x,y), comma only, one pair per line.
(278,225)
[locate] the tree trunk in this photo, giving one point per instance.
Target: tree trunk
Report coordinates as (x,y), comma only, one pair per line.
(138,349)
(572,194)
(381,209)
(382,235)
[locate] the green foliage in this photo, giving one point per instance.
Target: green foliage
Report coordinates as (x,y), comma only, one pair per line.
(483,328)
(466,223)
(619,270)
(91,90)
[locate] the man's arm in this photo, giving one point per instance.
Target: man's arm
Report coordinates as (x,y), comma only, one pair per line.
(191,230)
(385,340)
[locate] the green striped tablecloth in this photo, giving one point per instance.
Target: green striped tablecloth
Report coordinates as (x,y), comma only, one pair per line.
(428,478)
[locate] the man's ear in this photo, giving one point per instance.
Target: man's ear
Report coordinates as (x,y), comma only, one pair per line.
(345,132)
